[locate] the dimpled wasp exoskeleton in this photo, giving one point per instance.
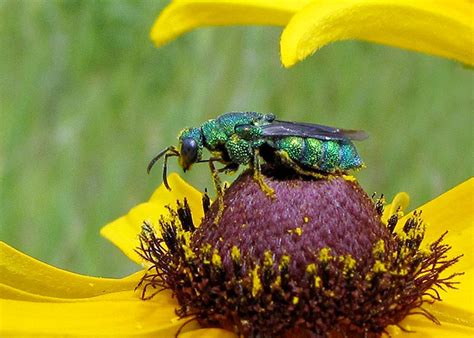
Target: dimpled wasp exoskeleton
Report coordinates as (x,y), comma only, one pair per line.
(242,138)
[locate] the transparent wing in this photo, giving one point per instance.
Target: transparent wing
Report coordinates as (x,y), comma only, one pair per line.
(283,128)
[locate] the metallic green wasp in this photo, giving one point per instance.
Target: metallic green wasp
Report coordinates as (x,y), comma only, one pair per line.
(241,138)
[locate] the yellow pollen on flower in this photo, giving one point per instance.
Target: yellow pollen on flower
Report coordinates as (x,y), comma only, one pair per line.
(235,254)
(311,269)
(216,259)
(188,252)
(284,262)
(256,282)
(349,178)
(295,300)
(206,248)
(306,219)
(402,272)
(404,252)
(419,231)
(324,255)
(267,258)
(186,237)
(349,264)
(205,251)
(379,248)
(379,267)
(297,231)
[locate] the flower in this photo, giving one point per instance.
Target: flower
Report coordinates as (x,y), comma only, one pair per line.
(42,300)
(434,27)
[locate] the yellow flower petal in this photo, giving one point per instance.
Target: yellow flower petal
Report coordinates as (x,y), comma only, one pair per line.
(124,231)
(435,27)
(182,16)
(399,204)
(452,211)
(208,333)
(421,327)
(455,312)
(114,315)
(457,306)
(23,273)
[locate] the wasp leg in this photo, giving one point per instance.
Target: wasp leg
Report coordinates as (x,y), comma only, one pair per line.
(219,189)
(257,175)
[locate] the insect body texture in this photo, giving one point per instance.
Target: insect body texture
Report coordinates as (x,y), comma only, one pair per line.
(311,153)
(242,138)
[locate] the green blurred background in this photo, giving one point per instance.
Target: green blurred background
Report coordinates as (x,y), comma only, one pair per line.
(86,101)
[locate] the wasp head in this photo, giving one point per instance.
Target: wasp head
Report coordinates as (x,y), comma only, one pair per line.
(190,147)
(188,152)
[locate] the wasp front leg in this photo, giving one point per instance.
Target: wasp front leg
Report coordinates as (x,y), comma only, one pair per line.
(219,188)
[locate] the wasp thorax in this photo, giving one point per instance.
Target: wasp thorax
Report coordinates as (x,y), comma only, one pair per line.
(316,260)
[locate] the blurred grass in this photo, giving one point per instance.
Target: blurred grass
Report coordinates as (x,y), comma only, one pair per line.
(86,101)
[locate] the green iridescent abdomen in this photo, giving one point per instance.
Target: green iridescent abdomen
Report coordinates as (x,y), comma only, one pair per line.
(317,154)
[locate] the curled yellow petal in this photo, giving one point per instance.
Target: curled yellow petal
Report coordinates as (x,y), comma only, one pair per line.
(124,231)
(399,204)
(182,16)
(21,275)
(114,315)
(442,28)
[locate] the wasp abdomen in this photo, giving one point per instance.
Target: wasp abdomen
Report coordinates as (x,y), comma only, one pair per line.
(350,159)
(317,154)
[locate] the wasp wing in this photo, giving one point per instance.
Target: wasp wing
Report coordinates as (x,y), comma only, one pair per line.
(284,128)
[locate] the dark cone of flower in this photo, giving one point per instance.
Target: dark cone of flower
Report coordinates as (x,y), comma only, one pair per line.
(314,260)
(304,217)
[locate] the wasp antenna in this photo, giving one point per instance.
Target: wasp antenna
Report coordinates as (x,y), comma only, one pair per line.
(171,149)
(152,163)
(165,170)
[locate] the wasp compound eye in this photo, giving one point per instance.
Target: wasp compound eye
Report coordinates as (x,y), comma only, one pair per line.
(189,152)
